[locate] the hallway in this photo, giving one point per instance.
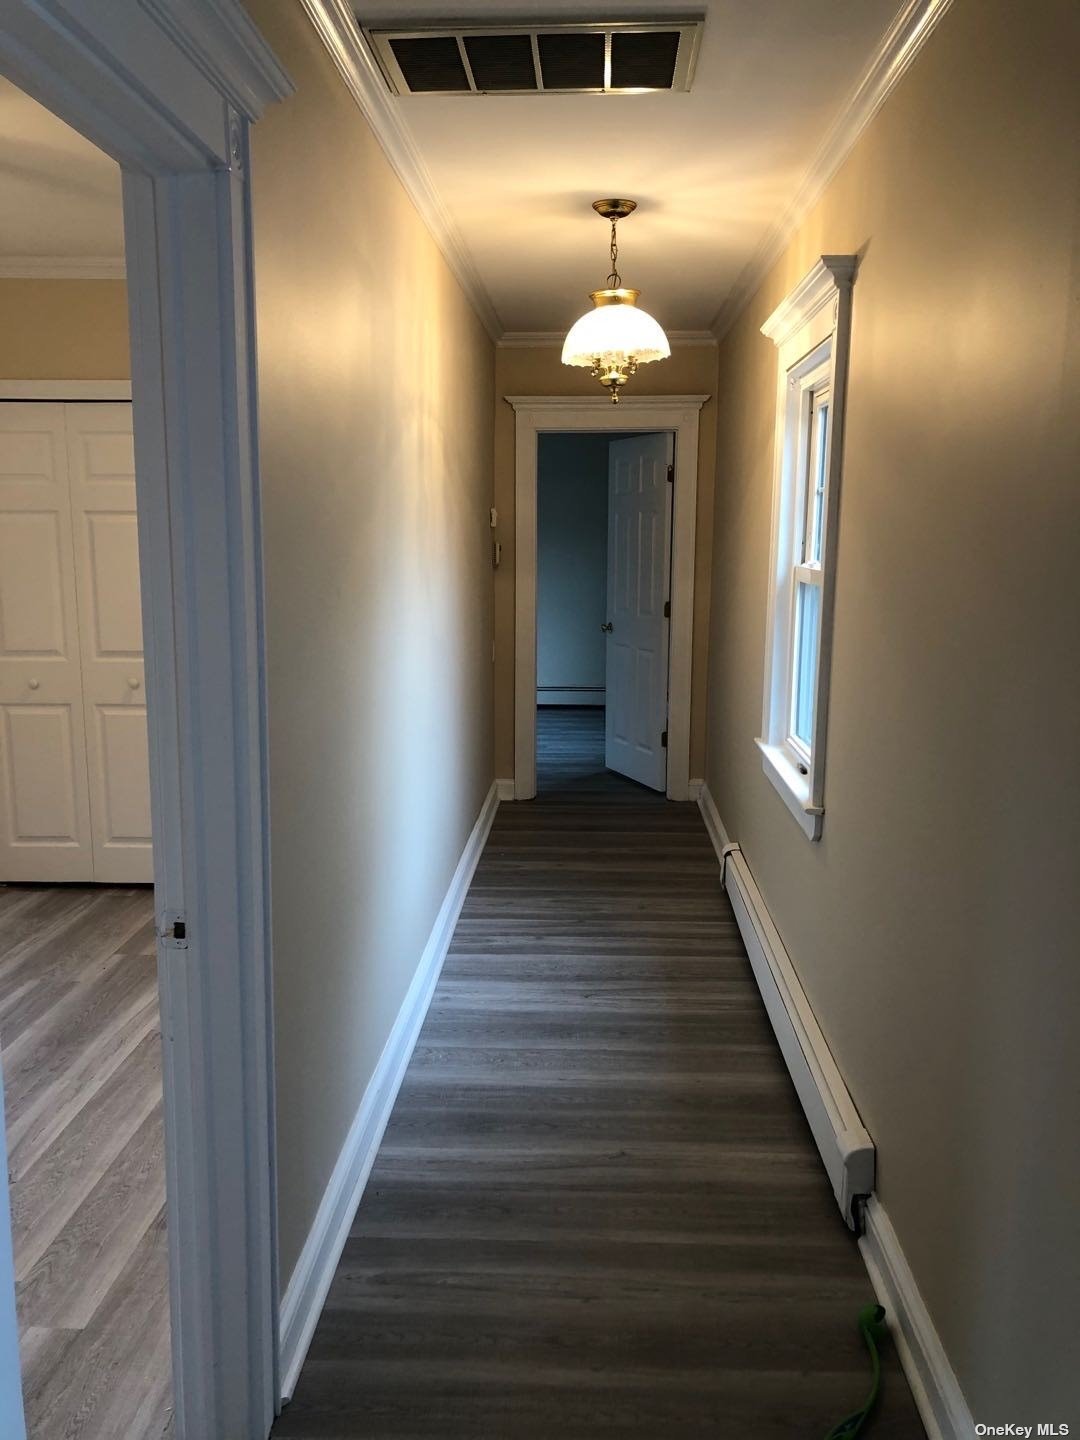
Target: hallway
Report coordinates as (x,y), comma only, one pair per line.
(597,1209)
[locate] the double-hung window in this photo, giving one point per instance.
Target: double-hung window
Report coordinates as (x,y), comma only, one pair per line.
(811,331)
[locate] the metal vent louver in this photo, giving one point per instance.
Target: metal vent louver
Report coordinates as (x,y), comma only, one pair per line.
(562,59)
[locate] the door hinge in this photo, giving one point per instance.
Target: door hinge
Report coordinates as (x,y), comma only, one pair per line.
(173,932)
(671,474)
(663,739)
(667,609)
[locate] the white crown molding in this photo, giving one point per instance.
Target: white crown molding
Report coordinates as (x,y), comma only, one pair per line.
(226,46)
(353,56)
(901,43)
(601,404)
(61,267)
(531,339)
(815,290)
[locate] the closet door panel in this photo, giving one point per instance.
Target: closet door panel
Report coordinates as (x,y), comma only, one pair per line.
(45,830)
(102,469)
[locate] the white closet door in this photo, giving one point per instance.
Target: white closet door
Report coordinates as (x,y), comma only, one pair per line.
(45,829)
(639,571)
(101,465)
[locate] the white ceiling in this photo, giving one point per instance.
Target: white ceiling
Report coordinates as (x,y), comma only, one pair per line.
(711,170)
(59,195)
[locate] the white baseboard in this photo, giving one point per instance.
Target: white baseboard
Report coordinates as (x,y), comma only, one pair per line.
(713,824)
(305,1296)
(936,1391)
(694,789)
(846,1149)
(505,788)
(934,1385)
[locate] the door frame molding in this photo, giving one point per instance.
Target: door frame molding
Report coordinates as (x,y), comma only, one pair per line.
(535,415)
(169,89)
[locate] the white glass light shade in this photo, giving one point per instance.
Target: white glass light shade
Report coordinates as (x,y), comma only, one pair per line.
(615,331)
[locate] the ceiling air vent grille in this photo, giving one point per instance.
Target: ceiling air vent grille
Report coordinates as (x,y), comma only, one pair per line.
(573,59)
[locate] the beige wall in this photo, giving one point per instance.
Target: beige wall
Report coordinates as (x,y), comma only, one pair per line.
(537,370)
(936,926)
(375,422)
(64,330)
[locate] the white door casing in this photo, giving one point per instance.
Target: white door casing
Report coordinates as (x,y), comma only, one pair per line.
(535,414)
(639,577)
(169,88)
(101,470)
(45,831)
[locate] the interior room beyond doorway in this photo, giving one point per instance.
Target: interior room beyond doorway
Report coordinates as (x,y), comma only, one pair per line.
(604,516)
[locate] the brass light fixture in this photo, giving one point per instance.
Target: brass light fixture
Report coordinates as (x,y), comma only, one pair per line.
(615,337)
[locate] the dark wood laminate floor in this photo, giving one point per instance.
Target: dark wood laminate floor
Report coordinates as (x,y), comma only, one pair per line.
(597,1210)
(81,1052)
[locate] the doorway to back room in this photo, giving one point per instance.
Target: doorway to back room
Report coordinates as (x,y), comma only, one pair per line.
(604,508)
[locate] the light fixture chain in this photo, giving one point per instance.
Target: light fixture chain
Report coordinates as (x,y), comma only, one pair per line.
(614,279)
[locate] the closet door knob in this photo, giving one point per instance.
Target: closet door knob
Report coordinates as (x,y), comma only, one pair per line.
(34,684)
(133,682)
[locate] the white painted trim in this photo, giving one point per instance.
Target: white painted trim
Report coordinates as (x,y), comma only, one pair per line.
(505,788)
(713,824)
(816,315)
(307,1289)
(65,389)
(62,267)
(694,789)
(535,414)
(168,88)
(846,1149)
(529,339)
(934,1385)
(596,406)
(793,788)
(901,43)
(336,26)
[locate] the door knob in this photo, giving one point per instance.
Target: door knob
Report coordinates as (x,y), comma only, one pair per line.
(133,682)
(33,684)
(607,627)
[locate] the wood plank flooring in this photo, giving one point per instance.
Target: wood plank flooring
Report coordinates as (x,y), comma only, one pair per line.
(81,1051)
(597,1210)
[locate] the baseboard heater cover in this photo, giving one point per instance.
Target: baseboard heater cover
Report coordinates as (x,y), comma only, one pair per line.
(846,1148)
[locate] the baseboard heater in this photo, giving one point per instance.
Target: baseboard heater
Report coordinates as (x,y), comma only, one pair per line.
(845,1146)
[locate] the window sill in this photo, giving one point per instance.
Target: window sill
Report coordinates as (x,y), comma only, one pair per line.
(792,787)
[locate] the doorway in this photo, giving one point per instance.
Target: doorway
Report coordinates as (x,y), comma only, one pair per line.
(676,417)
(169,94)
(604,511)
(79,1009)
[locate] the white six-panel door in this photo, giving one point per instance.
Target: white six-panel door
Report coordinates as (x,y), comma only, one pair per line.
(101,470)
(74,778)
(639,572)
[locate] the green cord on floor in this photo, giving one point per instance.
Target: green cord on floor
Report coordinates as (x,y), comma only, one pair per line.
(872,1329)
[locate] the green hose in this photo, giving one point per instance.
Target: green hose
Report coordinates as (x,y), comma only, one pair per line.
(872,1329)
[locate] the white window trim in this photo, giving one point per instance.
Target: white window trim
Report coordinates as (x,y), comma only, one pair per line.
(811,330)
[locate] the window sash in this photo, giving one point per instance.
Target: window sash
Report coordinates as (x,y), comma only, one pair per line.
(813,422)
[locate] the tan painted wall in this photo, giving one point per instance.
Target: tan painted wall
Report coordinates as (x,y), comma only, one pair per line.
(375,394)
(936,926)
(537,370)
(64,330)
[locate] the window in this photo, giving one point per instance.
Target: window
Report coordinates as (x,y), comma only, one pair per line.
(810,329)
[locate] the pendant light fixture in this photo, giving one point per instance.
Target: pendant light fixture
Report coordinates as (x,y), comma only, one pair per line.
(615,337)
